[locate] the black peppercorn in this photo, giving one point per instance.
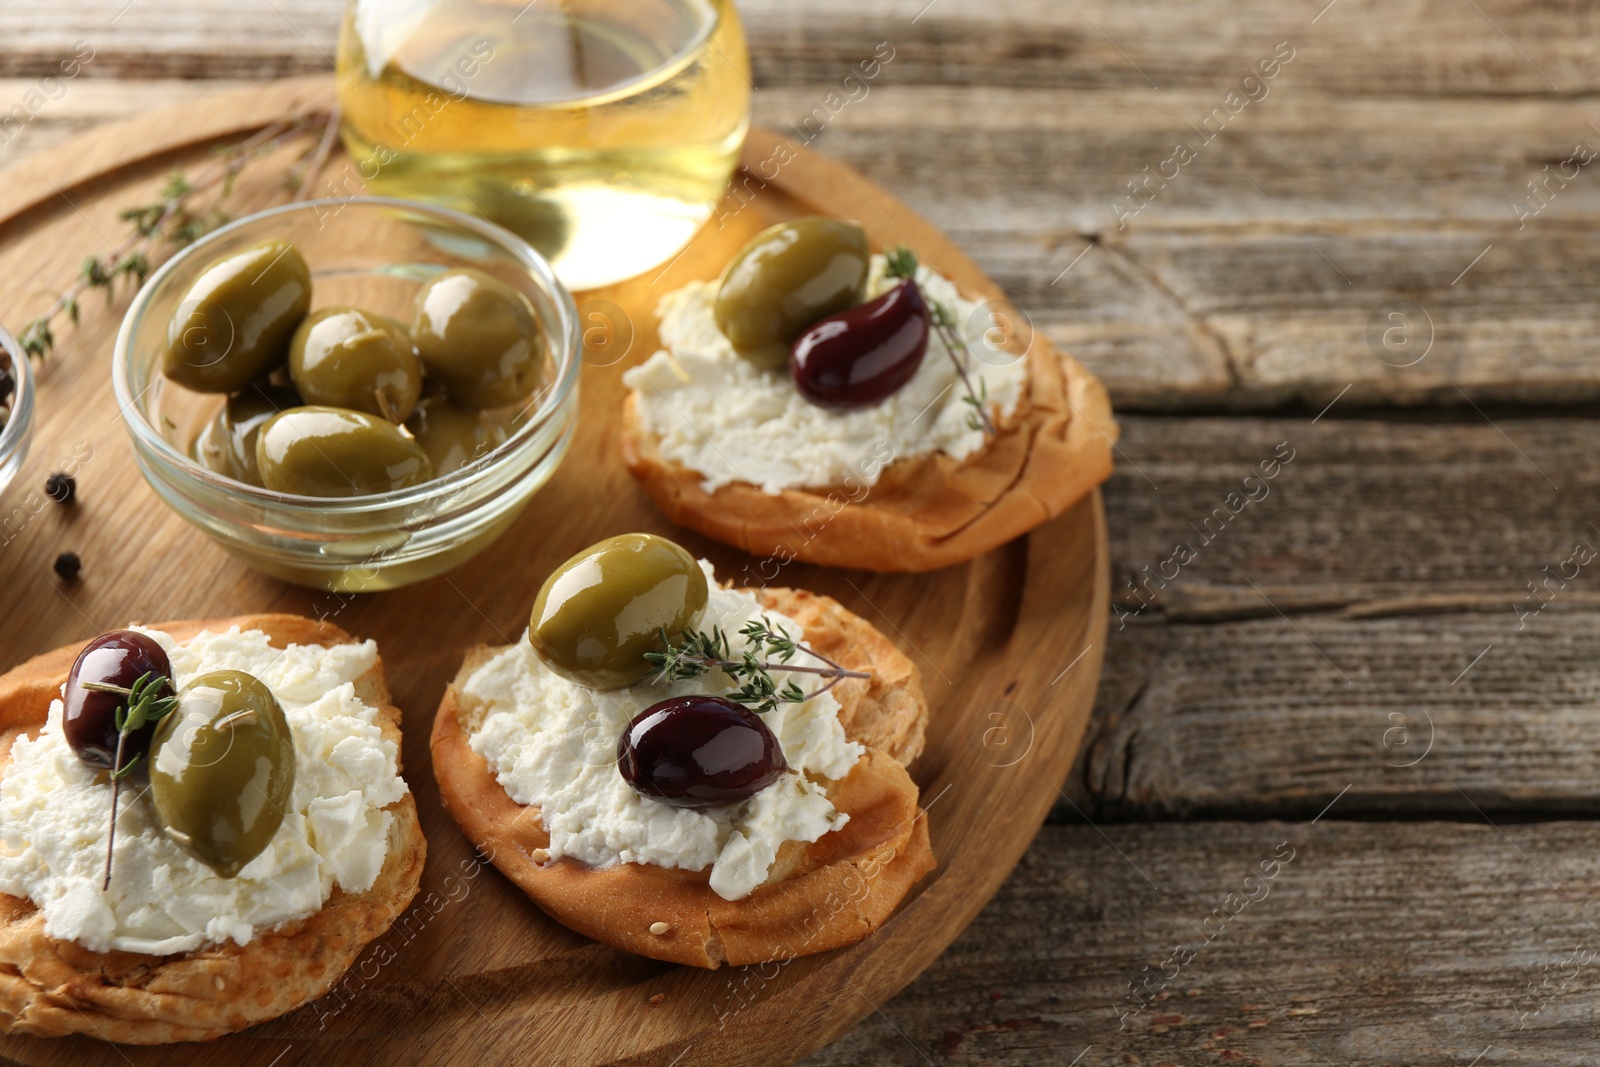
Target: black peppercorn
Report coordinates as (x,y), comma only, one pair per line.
(61,488)
(68,565)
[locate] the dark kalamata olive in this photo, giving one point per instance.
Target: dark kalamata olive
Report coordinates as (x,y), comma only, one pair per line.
(865,354)
(88,719)
(699,752)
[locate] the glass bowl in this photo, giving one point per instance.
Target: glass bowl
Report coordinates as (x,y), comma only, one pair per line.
(14,433)
(372,253)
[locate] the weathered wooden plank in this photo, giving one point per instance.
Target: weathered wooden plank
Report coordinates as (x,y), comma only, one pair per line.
(134,39)
(1366,511)
(1401,552)
(1061,160)
(1400,943)
(1409,717)
(1362,47)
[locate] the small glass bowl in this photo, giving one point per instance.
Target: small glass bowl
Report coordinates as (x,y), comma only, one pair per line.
(15,432)
(373,253)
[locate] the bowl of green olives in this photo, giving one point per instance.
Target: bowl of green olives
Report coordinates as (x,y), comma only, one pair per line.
(351,394)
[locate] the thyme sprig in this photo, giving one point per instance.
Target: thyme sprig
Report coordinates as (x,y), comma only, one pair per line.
(173,220)
(144,705)
(902,263)
(698,652)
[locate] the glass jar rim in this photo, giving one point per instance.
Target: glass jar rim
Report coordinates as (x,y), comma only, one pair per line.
(366,24)
(567,351)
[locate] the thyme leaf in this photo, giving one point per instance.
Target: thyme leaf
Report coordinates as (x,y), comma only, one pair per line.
(172,220)
(768,648)
(143,704)
(902,263)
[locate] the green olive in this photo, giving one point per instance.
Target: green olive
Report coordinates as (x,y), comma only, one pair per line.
(480,338)
(222,770)
(227,444)
(451,435)
(322,451)
(234,324)
(344,357)
(603,609)
(787,277)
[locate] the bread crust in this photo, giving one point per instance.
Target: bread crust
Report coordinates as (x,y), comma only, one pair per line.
(51,988)
(924,512)
(824,895)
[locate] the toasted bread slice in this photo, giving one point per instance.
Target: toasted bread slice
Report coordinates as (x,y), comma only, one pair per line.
(51,988)
(818,896)
(924,512)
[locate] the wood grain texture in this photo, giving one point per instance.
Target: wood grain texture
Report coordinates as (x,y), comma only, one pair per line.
(1369,47)
(1403,943)
(86,104)
(1272,719)
(478,969)
(1370,516)
(1397,553)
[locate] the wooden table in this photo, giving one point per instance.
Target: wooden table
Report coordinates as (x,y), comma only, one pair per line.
(1337,802)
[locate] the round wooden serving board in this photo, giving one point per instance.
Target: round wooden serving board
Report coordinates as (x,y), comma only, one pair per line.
(1009,646)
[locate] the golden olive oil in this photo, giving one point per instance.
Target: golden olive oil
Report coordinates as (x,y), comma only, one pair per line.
(602,131)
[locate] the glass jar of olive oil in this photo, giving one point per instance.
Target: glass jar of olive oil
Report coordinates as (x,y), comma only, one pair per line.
(602,131)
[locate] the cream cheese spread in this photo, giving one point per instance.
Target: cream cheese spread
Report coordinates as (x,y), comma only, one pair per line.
(731,421)
(54,814)
(553,744)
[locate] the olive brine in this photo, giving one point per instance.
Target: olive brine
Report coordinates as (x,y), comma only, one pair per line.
(343,401)
(218,755)
(628,612)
